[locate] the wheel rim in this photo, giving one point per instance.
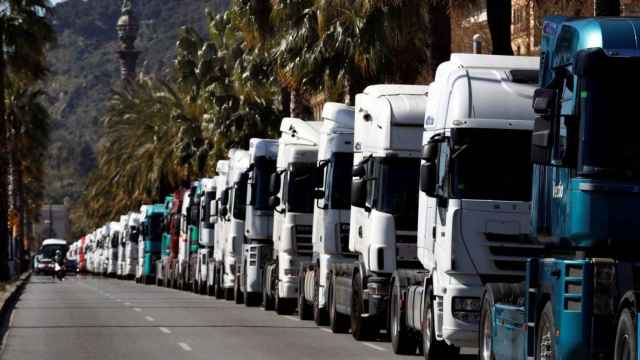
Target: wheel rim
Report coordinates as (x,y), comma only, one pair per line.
(487,340)
(426,332)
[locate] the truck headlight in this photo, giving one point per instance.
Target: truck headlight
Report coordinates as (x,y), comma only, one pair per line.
(466,309)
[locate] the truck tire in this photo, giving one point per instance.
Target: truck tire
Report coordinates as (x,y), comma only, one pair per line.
(267,300)
(228,294)
(433,349)
(217,283)
(545,337)
(339,323)
(361,328)
(305,312)
(284,306)
(252,299)
(237,293)
(485,335)
(625,345)
(403,341)
(320,315)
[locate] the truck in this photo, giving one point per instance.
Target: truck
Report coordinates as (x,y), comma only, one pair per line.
(383,217)
(82,257)
(112,248)
(330,233)
(579,299)
(206,224)
(472,228)
(124,230)
(151,224)
(188,241)
(234,214)
(165,244)
(132,236)
(258,227)
(222,197)
(291,189)
(168,264)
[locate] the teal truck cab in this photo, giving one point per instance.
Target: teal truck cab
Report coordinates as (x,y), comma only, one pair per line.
(579,300)
(152,226)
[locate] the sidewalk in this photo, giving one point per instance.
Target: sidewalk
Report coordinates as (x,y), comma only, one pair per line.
(7,290)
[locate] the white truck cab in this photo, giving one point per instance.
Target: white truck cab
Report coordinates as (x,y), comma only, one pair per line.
(292,200)
(220,231)
(331,211)
(131,246)
(206,234)
(474,200)
(258,226)
(384,204)
(140,254)
(124,231)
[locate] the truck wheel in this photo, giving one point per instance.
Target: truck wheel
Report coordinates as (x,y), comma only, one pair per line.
(304,311)
(228,294)
(284,306)
(267,301)
(218,285)
(433,349)
(402,340)
(485,341)
(625,345)
(237,293)
(339,323)
(545,338)
(320,315)
(252,299)
(361,329)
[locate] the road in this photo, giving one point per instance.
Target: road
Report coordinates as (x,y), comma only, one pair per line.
(96,318)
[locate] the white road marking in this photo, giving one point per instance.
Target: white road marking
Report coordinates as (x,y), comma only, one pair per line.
(292,317)
(149,318)
(375,347)
(184,346)
(127,304)
(137,309)
(327,330)
(165,330)
(118,300)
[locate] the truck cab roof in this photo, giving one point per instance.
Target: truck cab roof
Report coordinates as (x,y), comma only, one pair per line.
(337,129)
(238,164)
(263,147)
(465,88)
(386,118)
(298,142)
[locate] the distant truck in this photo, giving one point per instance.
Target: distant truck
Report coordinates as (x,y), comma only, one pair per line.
(132,237)
(206,224)
(151,239)
(384,204)
(220,232)
(165,244)
(292,200)
(258,226)
(331,211)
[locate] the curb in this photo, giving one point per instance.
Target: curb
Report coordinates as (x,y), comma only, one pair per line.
(9,302)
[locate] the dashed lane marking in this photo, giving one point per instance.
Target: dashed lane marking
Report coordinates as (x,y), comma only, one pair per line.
(185,346)
(149,318)
(137,309)
(127,304)
(165,330)
(375,347)
(327,330)
(292,317)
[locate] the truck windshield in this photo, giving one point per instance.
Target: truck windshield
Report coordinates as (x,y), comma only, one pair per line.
(300,185)
(398,189)
(155,227)
(609,129)
(338,186)
(239,200)
(491,164)
(49,251)
(260,177)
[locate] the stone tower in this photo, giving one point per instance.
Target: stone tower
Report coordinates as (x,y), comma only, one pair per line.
(128,27)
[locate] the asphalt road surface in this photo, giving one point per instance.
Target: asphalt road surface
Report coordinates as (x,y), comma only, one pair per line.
(95,318)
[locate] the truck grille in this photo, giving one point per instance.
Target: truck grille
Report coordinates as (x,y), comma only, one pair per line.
(304,243)
(510,252)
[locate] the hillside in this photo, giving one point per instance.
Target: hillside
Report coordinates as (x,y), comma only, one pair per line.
(84,69)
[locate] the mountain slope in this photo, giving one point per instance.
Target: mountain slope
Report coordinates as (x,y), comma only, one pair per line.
(84,69)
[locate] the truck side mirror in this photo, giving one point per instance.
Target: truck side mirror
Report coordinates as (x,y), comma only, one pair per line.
(430,150)
(318,194)
(358,192)
(225,198)
(541,141)
(544,101)
(274,202)
(274,184)
(428,180)
(359,171)
(224,211)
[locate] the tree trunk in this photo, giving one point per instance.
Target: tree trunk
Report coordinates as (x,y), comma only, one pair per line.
(18,188)
(4,196)
(606,7)
(439,34)
(285,95)
(296,106)
(499,19)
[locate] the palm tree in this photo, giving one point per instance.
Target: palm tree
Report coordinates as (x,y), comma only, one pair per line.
(24,36)
(499,20)
(29,130)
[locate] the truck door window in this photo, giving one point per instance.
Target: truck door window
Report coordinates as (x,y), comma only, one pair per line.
(372,167)
(239,200)
(338,181)
(443,161)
